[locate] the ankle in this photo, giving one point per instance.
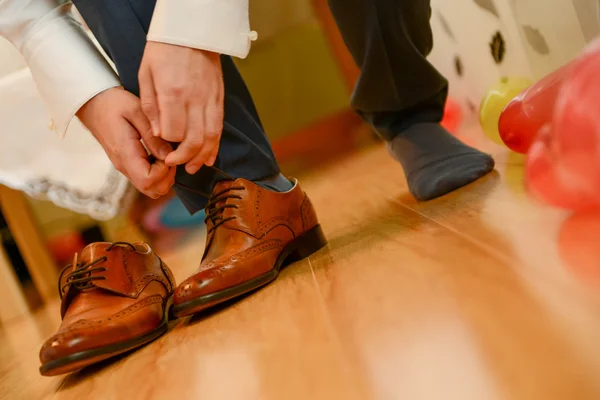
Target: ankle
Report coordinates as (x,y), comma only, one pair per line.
(276,183)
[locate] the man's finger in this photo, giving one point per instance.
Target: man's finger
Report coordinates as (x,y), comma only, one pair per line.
(143,175)
(212,157)
(194,137)
(172,110)
(159,180)
(190,148)
(148,100)
(214,122)
(159,147)
(146,175)
(206,156)
(163,186)
(156,145)
(155,180)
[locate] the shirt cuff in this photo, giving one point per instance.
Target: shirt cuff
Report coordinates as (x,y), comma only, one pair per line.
(67,67)
(219,26)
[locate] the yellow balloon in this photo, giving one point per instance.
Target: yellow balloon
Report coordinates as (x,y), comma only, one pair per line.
(497,97)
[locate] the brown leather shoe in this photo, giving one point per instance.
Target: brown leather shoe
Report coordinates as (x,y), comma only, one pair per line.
(114,298)
(251,233)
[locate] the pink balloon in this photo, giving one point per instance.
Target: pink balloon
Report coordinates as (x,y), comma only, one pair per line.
(578,246)
(563,166)
(151,221)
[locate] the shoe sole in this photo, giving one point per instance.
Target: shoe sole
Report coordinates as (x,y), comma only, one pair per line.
(300,248)
(76,361)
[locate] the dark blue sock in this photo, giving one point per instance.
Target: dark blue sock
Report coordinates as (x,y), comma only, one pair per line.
(435,162)
(276,183)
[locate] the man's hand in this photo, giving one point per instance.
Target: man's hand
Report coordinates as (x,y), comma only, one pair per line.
(116,119)
(181,91)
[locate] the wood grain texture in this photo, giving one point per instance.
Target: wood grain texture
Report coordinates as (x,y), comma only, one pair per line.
(13,303)
(28,236)
(480,294)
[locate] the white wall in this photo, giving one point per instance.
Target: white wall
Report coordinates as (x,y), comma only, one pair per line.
(539,36)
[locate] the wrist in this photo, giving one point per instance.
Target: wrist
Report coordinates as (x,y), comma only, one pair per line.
(152,44)
(88,107)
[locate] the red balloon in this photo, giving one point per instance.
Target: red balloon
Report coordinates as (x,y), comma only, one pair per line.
(523,116)
(452,116)
(63,246)
(563,166)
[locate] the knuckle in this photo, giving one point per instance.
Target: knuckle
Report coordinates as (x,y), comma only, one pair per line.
(144,185)
(214,134)
(114,150)
(191,169)
(148,140)
(137,111)
(173,136)
(176,90)
(195,141)
(147,106)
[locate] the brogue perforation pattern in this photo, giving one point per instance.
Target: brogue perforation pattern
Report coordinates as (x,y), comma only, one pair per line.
(72,331)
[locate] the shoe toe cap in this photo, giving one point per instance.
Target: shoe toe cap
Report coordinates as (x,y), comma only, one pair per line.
(193,287)
(63,344)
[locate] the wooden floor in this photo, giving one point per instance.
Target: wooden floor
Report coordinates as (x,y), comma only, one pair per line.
(482,294)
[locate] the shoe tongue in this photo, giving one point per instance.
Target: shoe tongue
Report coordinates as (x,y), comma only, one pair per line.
(220,189)
(120,270)
(92,252)
(221,185)
(87,255)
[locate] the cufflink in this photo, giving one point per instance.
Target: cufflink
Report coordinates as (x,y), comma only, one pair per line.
(253,35)
(51,125)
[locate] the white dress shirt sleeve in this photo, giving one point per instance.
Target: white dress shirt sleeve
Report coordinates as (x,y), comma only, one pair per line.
(67,67)
(220,26)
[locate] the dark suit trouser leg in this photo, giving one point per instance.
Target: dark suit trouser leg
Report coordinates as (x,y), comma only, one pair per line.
(121,26)
(403,96)
(389,40)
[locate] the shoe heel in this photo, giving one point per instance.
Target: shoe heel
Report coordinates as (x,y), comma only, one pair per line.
(169,315)
(306,245)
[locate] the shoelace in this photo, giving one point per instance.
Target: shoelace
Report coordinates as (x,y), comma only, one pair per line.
(81,278)
(214,213)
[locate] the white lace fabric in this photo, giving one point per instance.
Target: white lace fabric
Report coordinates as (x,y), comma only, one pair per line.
(73,172)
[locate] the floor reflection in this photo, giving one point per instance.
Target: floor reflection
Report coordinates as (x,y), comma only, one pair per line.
(578,246)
